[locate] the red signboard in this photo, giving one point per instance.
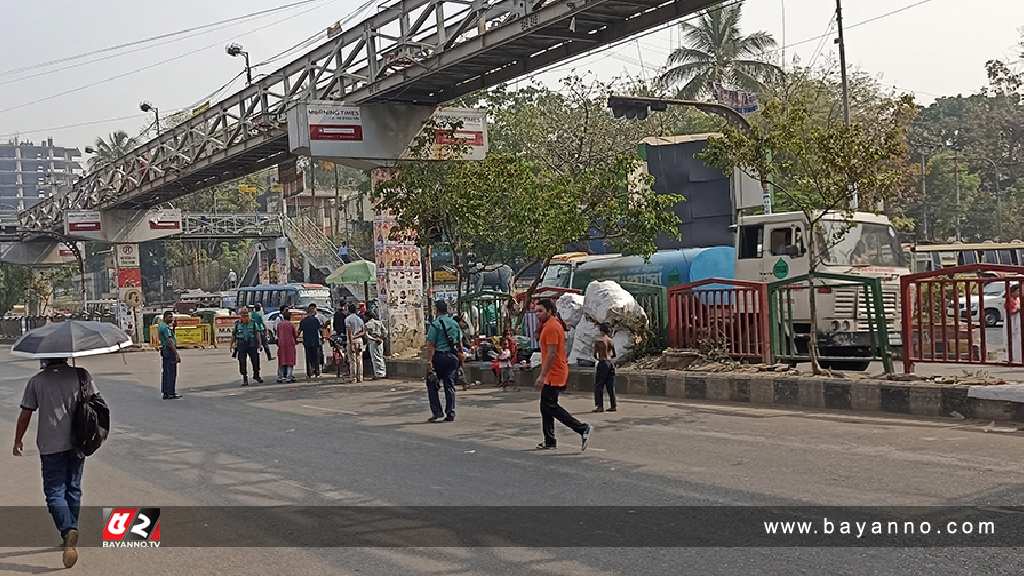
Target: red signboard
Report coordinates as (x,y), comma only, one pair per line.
(129,278)
(350,132)
(459,137)
(165,224)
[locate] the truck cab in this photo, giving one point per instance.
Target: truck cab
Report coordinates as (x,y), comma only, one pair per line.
(774,247)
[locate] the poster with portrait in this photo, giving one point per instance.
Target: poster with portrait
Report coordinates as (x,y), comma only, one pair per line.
(399,281)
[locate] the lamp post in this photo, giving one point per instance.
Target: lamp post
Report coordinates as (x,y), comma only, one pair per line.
(148,107)
(234,50)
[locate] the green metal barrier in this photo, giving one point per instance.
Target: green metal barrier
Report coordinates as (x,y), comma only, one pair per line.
(492,311)
(782,328)
(654,300)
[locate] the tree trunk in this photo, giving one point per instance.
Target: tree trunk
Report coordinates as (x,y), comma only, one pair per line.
(533,287)
(812,266)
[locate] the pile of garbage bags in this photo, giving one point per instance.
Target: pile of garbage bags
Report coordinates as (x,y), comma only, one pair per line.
(603,303)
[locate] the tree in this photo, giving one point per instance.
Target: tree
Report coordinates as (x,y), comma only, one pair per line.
(816,166)
(561,171)
(718,55)
(14,281)
(116,145)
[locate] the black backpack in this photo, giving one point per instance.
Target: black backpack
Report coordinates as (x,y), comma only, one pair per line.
(90,424)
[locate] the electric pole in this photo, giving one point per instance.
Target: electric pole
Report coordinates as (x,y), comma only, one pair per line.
(855,195)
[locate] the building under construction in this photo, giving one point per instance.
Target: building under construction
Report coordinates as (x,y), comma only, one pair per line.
(30,172)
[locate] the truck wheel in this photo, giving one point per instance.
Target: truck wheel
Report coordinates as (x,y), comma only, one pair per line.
(992,317)
(848,365)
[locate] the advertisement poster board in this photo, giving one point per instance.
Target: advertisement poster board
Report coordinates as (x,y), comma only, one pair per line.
(399,282)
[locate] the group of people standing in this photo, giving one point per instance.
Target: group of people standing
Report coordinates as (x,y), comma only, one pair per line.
(249,335)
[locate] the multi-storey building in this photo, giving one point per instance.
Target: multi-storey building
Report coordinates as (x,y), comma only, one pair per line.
(30,172)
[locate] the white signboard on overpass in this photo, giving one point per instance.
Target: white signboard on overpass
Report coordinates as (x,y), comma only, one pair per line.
(84,223)
(383,132)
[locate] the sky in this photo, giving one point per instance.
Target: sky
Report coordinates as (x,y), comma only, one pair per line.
(933,48)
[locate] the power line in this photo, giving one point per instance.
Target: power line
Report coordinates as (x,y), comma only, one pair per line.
(158,37)
(117,55)
(148,66)
(76,125)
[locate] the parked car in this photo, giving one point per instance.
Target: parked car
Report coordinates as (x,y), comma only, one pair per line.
(995,299)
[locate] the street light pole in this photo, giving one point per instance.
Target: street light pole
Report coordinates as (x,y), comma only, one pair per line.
(234,50)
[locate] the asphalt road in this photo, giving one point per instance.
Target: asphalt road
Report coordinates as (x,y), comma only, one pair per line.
(321,445)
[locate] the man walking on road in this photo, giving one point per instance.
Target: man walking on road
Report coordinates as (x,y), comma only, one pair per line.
(355,329)
(443,340)
(311,330)
(554,374)
(56,391)
(604,376)
(169,358)
(245,342)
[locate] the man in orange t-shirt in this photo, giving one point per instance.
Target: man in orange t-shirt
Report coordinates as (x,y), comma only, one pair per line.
(554,374)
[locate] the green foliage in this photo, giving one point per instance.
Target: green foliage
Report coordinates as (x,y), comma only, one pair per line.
(117,144)
(717,55)
(14,281)
(561,170)
(981,135)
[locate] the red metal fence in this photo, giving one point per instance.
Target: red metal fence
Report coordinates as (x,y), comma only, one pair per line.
(965,314)
(733,313)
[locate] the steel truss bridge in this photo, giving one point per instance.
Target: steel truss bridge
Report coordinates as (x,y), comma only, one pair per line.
(194,226)
(411,51)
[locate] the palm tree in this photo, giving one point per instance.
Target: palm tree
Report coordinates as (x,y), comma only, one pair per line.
(717,55)
(116,145)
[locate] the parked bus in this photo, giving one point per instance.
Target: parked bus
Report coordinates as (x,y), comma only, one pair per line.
(273,296)
(928,257)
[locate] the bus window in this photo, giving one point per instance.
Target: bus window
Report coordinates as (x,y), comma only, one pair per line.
(967,257)
(1006,257)
(991,257)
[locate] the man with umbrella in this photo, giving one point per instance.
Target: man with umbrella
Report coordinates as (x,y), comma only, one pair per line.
(56,392)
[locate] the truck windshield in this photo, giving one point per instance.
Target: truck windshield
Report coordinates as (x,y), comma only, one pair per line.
(557,276)
(861,245)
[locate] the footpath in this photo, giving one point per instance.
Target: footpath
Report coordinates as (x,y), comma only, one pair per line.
(915,397)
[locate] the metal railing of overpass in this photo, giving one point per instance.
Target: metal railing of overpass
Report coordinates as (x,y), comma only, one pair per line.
(411,51)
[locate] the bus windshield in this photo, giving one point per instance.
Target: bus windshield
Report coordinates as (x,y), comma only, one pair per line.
(557,276)
(862,244)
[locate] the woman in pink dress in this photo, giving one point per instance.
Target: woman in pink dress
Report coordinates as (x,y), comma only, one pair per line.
(285,348)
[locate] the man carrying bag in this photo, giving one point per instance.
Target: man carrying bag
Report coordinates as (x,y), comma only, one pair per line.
(445,358)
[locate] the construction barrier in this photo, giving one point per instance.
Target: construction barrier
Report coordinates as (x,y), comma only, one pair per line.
(964,314)
(188,333)
(732,314)
(222,327)
(789,320)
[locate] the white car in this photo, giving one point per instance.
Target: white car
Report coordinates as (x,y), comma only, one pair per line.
(271,320)
(995,300)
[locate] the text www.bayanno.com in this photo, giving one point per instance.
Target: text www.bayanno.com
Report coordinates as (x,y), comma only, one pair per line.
(867,529)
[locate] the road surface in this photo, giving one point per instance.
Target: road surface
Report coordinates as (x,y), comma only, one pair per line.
(317,444)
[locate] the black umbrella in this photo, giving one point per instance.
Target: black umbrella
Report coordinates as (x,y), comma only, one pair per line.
(71,339)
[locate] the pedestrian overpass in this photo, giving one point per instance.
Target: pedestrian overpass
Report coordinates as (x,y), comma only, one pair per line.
(422,52)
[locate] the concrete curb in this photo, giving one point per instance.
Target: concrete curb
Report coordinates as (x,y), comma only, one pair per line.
(917,399)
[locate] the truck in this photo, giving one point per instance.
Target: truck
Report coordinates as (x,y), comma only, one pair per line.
(768,248)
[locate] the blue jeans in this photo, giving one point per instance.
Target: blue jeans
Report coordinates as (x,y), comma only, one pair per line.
(62,486)
(445,365)
(169,375)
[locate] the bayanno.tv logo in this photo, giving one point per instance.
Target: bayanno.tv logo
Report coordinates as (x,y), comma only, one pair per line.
(131,528)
